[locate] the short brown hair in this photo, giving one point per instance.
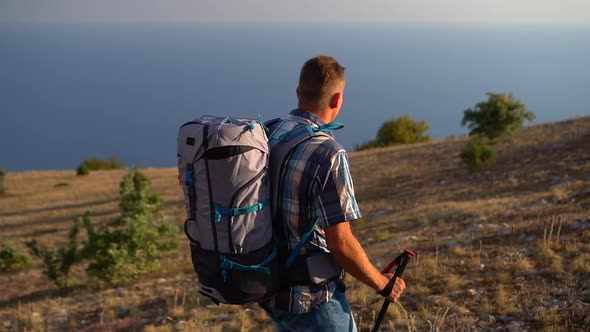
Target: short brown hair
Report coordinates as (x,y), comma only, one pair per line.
(319,78)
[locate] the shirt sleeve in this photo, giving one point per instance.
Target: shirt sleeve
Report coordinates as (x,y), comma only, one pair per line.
(335,202)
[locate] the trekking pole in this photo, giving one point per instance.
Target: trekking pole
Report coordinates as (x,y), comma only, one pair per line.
(400,261)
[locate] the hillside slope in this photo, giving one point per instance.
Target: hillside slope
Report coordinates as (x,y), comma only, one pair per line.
(505,249)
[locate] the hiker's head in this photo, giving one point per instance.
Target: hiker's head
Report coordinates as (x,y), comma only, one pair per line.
(321,87)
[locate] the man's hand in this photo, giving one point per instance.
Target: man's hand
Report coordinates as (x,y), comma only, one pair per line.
(351,256)
(398,288)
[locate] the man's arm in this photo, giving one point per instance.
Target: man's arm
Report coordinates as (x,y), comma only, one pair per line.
(351,256)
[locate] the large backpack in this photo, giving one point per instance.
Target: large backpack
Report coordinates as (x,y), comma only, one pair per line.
(223,166)
(225,169)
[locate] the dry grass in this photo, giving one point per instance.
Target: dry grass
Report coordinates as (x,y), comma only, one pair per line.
(507,249)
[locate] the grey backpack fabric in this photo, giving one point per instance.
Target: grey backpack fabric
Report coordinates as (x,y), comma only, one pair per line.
(223,166)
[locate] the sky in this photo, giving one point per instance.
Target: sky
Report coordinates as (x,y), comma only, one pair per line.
(549,12)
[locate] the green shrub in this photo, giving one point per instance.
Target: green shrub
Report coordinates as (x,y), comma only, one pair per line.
(477,155)
(500,115)
(93,164)
(123,248)
(59,261)
(2,176)
(131,245)
(403,130)
(83,169)
(12,259)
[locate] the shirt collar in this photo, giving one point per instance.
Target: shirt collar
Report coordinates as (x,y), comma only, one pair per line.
(303,114)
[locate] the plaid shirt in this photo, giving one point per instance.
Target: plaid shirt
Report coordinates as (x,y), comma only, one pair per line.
(317,184)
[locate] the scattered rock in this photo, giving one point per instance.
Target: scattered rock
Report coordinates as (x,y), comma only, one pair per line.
(123,312)
(472,292)
(516,326)
(487,318)
(505,230)
(159,320)
(180,325)
(7,324)
(557,304)
(519,279)
(475,227)
(455,295)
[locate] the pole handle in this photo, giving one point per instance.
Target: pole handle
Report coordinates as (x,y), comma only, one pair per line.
(401,261)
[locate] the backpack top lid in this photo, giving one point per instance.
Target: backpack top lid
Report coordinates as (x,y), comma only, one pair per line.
(210,132)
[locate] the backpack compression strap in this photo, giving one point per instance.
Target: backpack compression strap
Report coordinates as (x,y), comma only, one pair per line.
(221,211)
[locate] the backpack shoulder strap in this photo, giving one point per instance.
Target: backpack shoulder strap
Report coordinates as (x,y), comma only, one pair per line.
(283,145)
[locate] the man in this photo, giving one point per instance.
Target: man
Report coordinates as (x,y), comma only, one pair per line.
(316,206)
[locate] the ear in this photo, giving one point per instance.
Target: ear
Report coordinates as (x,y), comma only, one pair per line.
(335,100)
(297,91)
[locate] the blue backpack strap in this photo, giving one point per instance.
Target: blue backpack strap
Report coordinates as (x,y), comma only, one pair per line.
(284,144)
(300,244)
(221,211)
(227,264)
(281,147)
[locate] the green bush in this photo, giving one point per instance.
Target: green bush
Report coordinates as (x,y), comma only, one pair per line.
(123,248)
(403,130)
(500,115)
(477,155)
(2,176)
(12,259)
(94,164)
(131,245)
(59,261)
(83,169)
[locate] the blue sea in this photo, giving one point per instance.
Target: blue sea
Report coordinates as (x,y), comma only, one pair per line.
(71,91)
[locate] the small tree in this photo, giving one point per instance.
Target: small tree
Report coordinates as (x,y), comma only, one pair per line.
(500,115)
(403,130)
(131,244)
(58,262)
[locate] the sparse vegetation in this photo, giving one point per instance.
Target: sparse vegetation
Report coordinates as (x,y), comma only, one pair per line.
(124,248)
(130,245)
(12,259)
(58,262)
(477,155)
(501,115)
(508,250)
(93,164)
(403,130)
